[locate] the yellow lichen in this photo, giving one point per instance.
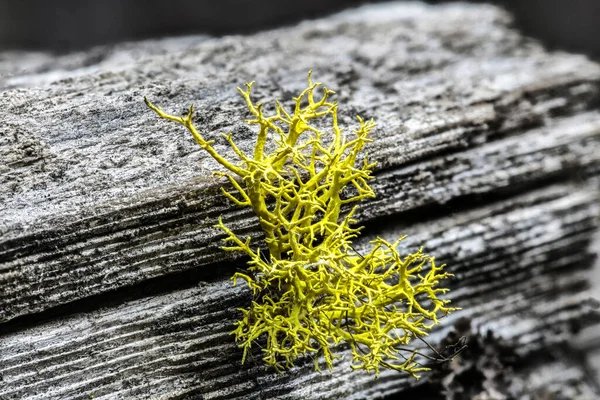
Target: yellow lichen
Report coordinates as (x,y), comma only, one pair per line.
(312,290)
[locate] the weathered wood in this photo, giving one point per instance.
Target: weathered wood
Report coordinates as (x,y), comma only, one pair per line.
(489,156)
(520,266)
(169,229)
(169,232)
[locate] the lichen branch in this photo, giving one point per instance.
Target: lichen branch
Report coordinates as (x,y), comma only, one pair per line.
(314,290)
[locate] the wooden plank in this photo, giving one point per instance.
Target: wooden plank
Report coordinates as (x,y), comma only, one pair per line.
(520,267)
(170,231)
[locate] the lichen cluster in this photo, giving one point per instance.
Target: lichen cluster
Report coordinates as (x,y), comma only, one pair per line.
(312,290)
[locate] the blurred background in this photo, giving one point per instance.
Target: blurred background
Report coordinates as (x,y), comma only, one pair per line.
(66,25)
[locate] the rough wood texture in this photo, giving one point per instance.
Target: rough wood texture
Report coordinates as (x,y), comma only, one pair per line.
(112,280)
(176,344)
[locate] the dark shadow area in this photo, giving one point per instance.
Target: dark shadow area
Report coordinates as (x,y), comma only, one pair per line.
(65,25)
(559,24)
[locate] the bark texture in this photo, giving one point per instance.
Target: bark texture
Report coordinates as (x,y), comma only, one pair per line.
(112,283)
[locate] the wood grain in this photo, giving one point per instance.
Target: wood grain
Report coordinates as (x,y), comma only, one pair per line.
(520,268)
(112,282)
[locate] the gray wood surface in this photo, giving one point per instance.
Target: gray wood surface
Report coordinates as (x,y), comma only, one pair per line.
(111,279)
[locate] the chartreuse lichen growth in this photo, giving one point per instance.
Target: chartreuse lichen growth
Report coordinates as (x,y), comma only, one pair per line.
(312,290)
